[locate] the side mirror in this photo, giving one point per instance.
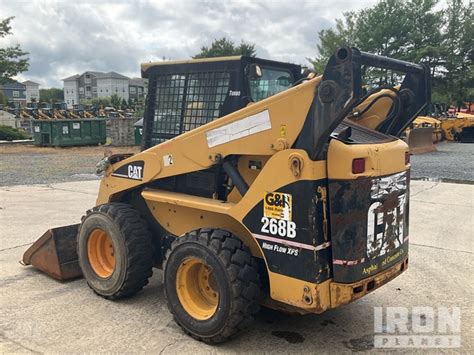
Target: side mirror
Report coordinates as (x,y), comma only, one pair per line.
(253,71)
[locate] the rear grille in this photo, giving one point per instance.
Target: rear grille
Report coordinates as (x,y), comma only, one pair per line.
(361,134)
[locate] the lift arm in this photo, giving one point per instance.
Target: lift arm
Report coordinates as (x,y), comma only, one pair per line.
(341,90)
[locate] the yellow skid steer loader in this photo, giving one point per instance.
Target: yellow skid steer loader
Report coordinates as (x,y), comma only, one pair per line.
(257,183)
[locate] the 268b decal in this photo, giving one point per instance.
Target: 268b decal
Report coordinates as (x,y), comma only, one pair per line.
(277,215)
(279,227)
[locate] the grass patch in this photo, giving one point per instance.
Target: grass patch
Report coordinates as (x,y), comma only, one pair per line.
(8,133)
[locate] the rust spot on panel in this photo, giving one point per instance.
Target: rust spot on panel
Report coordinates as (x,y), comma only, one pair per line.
(318,307)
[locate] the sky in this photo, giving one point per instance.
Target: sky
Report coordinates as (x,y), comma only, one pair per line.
(70,37)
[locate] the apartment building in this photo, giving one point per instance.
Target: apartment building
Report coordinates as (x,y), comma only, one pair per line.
(32,91)
(136,88)
(93,84)
(19,94)
(15,92)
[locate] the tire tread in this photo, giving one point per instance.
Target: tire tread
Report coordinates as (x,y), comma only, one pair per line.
(242,270)
(137,240)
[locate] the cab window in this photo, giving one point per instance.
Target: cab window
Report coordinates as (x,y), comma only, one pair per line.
(271,82)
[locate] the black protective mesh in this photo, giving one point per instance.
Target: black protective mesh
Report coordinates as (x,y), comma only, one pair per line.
(187,101)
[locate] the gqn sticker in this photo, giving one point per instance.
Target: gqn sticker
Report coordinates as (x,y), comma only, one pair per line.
(277,215)
(277,205)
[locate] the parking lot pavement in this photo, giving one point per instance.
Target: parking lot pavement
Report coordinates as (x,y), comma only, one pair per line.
(450,162)
(39,314)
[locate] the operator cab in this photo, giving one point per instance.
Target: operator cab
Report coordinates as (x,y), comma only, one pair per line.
(183,95)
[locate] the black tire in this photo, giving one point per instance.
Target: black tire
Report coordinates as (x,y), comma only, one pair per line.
(236,275)
(132,247)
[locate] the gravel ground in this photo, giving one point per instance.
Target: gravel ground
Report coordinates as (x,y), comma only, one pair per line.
(452,162)
(26,164)
(22,165)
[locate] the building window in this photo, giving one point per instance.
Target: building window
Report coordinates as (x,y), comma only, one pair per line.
(67,91)
(94,90)
(16,93)
(88,79)
(81,91)
(106,90)
(132,89)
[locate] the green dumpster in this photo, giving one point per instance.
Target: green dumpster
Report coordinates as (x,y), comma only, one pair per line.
(138,131)
(69,133)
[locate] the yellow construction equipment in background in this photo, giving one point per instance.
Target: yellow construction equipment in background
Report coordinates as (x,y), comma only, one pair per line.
(459,128)
(25,114)
(423,134)
(74,115)
(427,121)
(43,115)
(57,114)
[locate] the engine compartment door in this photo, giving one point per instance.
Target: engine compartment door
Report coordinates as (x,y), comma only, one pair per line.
(368,211)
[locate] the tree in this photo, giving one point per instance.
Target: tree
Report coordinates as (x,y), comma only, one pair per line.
(97,101)
(123,105)
(115,101)
(424,42)
(458,41)
(412,30)
(51,95)
(3,99)
(13,60)
(225,47)
(332,39)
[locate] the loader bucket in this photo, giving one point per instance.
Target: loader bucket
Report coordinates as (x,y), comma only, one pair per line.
(420,140)
(55,253)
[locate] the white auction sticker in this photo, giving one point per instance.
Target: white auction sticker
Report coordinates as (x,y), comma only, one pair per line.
(238,129)
(167,159)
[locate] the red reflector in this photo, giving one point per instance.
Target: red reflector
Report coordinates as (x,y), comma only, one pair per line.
(407,158)
(358,165)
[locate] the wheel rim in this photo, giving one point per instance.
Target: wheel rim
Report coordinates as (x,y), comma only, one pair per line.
(197,289)
(100,251)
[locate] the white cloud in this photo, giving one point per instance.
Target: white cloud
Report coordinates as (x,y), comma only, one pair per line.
(65,38)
